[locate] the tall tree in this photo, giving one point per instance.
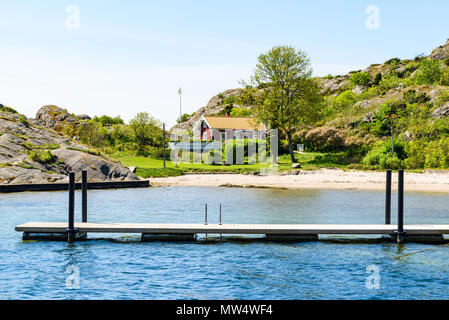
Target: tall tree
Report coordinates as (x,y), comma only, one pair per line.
(289,97)
(146,130)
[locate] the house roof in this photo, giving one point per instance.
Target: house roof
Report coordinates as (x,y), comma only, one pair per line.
(239,123)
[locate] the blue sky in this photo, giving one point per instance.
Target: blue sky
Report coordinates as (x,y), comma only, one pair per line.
(132,56)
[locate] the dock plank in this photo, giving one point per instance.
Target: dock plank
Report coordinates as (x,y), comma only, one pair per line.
(268,229)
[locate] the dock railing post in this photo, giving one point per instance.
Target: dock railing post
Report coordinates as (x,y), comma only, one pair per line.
(163,142)
(84,195)
(388,199)
(400,206)
(220,222)
(71,219)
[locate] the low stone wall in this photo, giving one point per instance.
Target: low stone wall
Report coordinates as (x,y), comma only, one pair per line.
(6,188)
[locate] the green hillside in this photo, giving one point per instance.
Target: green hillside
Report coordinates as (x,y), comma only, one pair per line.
(361,111)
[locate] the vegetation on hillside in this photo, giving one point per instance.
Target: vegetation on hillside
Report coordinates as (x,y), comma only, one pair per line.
(390,115)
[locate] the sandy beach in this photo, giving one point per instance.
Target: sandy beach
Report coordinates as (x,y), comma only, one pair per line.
(430,181)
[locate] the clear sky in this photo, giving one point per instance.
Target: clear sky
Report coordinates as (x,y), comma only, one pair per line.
(123,57)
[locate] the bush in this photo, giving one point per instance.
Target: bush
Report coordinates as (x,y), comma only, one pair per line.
(377,79)
(241,112)
(416,155)
(229,100)
(389,81)
(209,158)
(360,78)
(158,153)
(184,117)
(108,121)
(42,156)
(429,72)
(444,81)
(380,156)
(437,154)
(410,97)
(324,139)
(393,62)
(7,109)
(23,119)
(446,61)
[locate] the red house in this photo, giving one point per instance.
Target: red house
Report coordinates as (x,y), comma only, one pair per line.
(219,125)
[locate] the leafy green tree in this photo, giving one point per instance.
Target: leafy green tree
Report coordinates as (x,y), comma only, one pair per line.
(345,103)
(108,120)
(146,130)
(93,133)
(241,112)
(290,98)
(183,117)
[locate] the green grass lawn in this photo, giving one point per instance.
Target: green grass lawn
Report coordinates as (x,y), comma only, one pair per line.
(149,167)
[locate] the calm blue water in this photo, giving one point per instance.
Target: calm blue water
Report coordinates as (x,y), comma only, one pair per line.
(120,267)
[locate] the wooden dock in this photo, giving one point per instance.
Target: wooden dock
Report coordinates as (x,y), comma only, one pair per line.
(266,229)
(72,231)
(8,188)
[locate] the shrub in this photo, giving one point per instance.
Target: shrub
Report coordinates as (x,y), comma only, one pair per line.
(360,78)
(184,117)
(444,81)
(429,72)
(42,156)
(377,79)
(389,81)
(212,157)
(410,97)
(437,153)
(158,152)
(241,112)
(23,119)
(324,139)
(381,156)
(107,120)
(420,57)
(446,61)
(393,62)
(93,133)
(229,100)
(7,109)
(416,155)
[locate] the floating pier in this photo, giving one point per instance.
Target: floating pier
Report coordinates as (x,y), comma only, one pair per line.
(272,231)
(72,231)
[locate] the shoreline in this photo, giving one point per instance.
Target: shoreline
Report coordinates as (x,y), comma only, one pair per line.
(316,179)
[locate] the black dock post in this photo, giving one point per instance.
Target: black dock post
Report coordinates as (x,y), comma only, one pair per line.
(71,221)
(163,142)
(388,199)
(84,195)
(400,206)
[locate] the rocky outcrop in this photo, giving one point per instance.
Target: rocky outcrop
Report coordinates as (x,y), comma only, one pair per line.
(440,53)
(441,112)
(83,117)
(335,84)
(213,107)
(55,117)
(31,153)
